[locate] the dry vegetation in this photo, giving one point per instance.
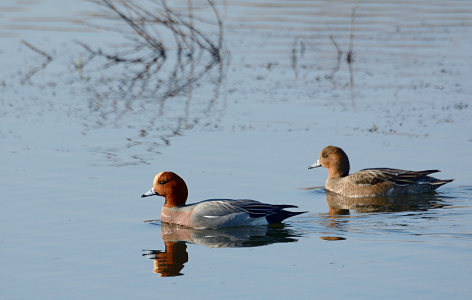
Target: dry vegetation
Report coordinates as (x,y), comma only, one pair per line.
(166,51)
(300,47)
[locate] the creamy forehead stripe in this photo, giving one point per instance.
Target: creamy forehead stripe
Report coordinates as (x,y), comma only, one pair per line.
(156,178)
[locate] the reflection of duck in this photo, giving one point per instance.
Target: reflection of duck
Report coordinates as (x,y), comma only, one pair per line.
(339,218)
(372,182)
(246,236)
(171,261)
(215,213)
(340,205)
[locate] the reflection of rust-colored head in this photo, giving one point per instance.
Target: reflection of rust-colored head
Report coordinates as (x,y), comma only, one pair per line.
(332,238)
(171,261)
(172,187)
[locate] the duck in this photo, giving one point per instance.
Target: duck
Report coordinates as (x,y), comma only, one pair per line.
(212,213)
(372,182)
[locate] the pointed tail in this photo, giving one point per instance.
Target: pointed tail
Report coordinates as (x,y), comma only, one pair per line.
(441,182)
(281,215)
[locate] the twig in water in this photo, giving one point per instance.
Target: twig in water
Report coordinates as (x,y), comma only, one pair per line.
(48,57)
(33,71)
(296,52)
(149,53)
(338,60)
(350,56)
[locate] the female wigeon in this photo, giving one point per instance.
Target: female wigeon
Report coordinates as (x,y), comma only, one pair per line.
(213,213)
(372,182)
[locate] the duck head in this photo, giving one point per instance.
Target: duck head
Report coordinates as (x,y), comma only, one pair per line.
(170,186)
(335,160)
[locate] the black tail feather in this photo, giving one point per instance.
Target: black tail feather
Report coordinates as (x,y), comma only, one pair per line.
(282,215)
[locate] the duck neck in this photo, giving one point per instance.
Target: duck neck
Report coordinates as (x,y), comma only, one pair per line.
(334,174)
(176,198)
(339,171)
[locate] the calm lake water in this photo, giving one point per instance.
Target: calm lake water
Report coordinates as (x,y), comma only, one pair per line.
(79,145)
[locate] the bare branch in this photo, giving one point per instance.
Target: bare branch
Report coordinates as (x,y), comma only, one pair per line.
(35,70)
(48,57)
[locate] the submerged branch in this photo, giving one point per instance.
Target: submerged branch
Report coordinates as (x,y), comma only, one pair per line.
(186,42)
(35,70)
(48,57)
(350,56)
(338,59)
(298,48)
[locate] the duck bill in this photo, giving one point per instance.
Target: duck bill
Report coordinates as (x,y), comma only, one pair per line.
(316,164)
(151,192)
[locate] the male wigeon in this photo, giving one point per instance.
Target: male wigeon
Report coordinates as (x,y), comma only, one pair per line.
(372,182)
(213,213)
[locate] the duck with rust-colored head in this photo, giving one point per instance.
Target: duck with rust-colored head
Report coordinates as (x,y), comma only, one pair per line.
(213,213)
(372,182)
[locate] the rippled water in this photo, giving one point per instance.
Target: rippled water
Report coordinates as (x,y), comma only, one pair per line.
(77,152)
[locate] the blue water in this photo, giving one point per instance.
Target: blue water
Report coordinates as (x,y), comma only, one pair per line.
(73,225)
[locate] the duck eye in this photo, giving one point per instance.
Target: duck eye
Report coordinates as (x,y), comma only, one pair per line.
(325,155)
(163,182)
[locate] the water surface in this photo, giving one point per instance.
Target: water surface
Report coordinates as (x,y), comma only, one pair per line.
(76,157)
